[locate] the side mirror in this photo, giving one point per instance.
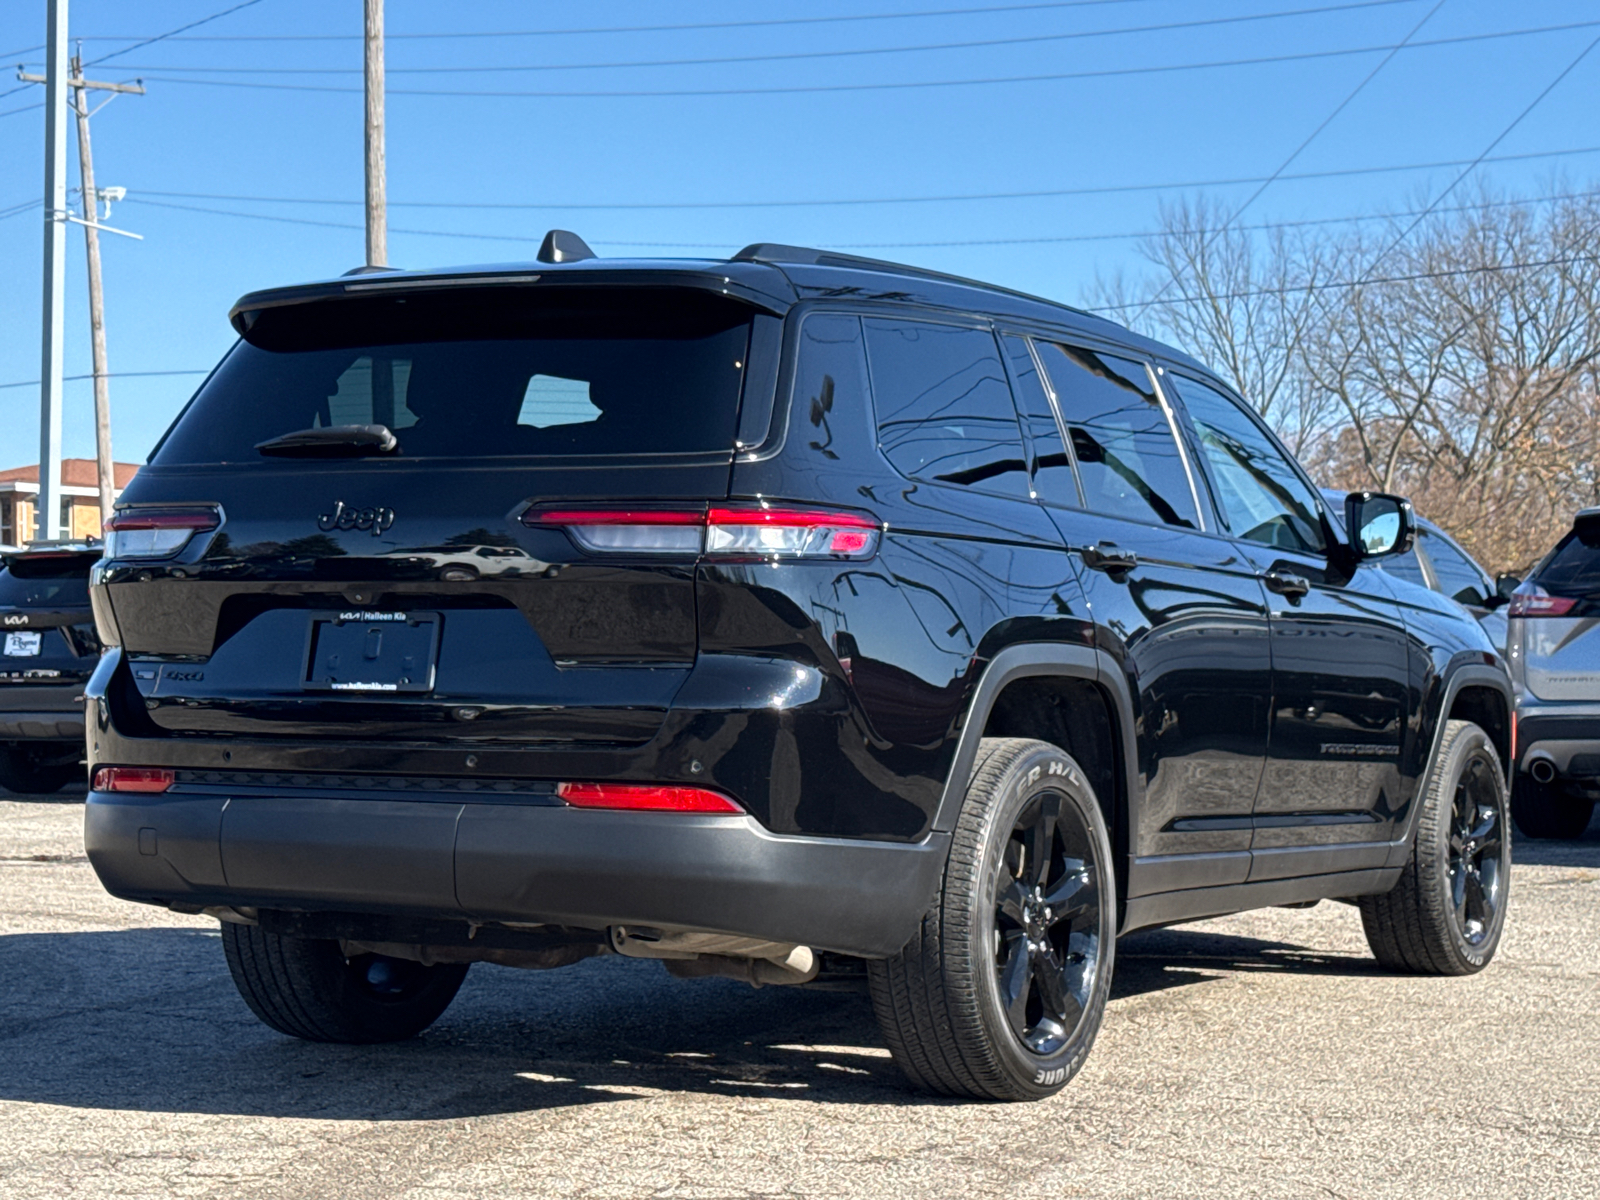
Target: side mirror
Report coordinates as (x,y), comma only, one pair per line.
(1505,585)
(1379,524)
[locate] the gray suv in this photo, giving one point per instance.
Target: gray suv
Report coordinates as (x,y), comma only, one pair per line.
(1554,649)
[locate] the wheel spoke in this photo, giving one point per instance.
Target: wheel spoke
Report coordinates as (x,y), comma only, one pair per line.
(1013,897)
(1458,892)
(1047,973)
(1488,824)
(1016,980)
(1073,893)
(1041,840)
(1479,906)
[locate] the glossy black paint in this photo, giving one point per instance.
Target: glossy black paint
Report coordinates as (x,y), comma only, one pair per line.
(41,692)
(832,699)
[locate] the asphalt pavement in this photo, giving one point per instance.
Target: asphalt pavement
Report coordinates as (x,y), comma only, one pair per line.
(1258,1055)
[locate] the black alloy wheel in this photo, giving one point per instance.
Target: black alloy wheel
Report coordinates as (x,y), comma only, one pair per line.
(1000,993)
(1446,913)
(1047,924)
(1476,830)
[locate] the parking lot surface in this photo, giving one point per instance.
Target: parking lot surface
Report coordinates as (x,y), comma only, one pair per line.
(1259,1055)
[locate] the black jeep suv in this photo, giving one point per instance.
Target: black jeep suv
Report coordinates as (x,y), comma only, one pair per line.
(784,618)
(48,650)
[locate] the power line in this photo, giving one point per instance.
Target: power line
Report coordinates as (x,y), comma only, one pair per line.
(113,375)
(607,29)
(1030,39)
(812,89)
(1045,194)
(161,37)
(1089,237)
(1333,285)
(1504,133)
(1298,150)
(25,108)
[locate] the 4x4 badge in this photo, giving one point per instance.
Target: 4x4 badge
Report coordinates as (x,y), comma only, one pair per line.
(343,517)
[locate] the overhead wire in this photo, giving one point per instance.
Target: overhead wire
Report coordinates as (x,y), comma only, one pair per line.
(610,29)
(1049,193)
(1030,39)
(812,89)
(161,37)
(108,375)
(1300,149)
(1473,165)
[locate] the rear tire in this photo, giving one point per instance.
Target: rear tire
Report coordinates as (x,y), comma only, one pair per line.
(308,989)
(1000,993)
(34,769)
(1446,914)
(1541,811)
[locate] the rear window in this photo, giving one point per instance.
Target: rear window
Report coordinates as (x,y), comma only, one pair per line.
(1573,567)
(46,582)
(484,372)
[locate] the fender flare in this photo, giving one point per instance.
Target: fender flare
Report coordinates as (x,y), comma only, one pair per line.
(1032,660)
(1465,675)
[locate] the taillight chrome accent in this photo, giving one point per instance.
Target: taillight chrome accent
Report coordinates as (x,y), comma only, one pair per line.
(1539,603)
(156,533)
(133,779)
(747,532)
(649,797)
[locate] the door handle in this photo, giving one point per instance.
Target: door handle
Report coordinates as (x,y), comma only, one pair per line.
(1109,558)
(1291,587)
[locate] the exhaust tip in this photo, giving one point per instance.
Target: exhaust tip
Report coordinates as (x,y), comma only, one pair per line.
(1543,770)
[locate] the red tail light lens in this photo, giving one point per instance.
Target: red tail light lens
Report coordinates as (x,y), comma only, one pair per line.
(744,532)
(135,534)
(133,779)
(646,796)
(1539,603)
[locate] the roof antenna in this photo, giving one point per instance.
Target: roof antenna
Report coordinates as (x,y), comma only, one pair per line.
(560,246)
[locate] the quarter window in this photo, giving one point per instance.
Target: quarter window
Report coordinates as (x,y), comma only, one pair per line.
(1128,459)
(1262,497)
(944,406)
(1053,478)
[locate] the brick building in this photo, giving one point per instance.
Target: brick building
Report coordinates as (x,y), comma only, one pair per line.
(80,499)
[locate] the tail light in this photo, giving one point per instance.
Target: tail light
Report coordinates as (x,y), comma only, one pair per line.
(156,534)
(1536,602)
(730,533)
(646,797)
(133,779)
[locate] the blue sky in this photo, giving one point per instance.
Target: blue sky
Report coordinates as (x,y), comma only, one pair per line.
(706,174)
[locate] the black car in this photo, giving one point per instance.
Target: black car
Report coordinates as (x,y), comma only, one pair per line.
(797,618)
(48,650)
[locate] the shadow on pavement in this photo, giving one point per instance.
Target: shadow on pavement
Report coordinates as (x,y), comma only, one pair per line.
(1579,852)
(73,793)
(148,1020)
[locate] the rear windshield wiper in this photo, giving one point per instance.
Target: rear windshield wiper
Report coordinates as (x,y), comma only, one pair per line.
(334,441)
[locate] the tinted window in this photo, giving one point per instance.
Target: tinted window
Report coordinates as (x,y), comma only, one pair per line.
(47,581)
(1572,568)
(1404,566)
(1127,459)
(482,372)
(1053,478)
(1262,498)
(944,406)
(1458,578)
(830,386)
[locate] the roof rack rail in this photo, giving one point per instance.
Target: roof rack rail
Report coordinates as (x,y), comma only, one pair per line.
(776,253)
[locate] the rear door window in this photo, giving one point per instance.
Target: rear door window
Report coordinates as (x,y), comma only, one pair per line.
(482,372)
(944,405)
(1053,478)
(1128,459)
(1573,568)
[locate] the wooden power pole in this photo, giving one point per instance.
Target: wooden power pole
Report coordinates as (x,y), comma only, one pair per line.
(105,470)
(377,199)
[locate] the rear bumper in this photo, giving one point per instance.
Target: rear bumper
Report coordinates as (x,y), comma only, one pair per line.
(1571,740)
(513,863)
(42,726)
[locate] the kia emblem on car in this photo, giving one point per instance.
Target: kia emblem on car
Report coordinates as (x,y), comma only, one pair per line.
(377,519)
(16,618)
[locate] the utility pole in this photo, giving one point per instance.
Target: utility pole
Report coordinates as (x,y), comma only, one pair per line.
(104,470)
(377,199)
(47,514)
(54,316)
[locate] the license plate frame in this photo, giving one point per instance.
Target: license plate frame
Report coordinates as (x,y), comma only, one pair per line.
(24,643)
(355,652)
